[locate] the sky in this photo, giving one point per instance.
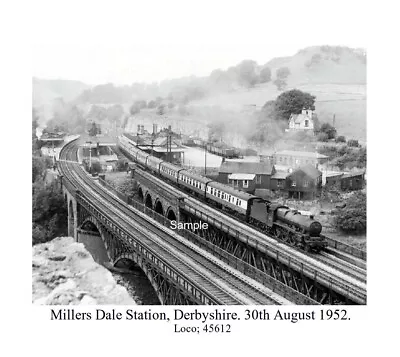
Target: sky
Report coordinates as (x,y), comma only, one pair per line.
(152,41)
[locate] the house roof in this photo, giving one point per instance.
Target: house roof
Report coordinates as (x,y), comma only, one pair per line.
(308,154)
(246,167)
(333,174)
(309,170)
(108,158)
(280,175)
(241,176)
(353,174)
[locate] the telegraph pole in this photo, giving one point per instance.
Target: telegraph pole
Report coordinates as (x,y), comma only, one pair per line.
(205,159)
(90,156)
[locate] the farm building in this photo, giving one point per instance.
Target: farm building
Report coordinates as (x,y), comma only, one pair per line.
(304,183)
(302,121)
(296,159)
(278,180)
(246,176)
(332,179)
(352,181)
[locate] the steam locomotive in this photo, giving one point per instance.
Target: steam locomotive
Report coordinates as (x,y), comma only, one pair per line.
(285,224)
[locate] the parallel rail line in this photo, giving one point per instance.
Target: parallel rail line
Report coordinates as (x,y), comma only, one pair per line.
(224,284)
(344,278)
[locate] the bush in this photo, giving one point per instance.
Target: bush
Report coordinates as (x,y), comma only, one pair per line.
(328,129)
(96,167)
(353,143)
(161,109)
(282,72)
(353,217)
(323,137)
(121,164)
(49,213)
(340,139)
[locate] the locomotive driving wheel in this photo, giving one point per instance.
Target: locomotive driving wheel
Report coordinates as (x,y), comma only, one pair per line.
(285,237)
(292,239)
(278,234)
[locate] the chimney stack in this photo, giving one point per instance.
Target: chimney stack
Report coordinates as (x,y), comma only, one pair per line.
(138,129)
(155,129)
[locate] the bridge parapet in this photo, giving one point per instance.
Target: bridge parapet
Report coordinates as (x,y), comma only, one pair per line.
(172,285)
(247,269)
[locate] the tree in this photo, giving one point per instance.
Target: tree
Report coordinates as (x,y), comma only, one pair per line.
(329,130)
(115,113)
(94,130)
(247,73)
(353,217)
(161,109)
(340,139)
(96,167)
(282,73)
(323,137)
(97,113)
(49,212)
(292,102)
(35,125)
(265,75)
(353,143)
(280,84)
(134,109)
(152,104)
(141,104)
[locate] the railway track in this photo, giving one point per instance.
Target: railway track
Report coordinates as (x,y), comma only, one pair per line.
(223,283)
(349,278)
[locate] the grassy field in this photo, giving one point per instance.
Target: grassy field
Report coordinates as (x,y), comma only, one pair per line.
(346,101)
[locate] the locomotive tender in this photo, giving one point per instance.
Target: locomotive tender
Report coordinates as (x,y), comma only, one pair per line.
(285,224)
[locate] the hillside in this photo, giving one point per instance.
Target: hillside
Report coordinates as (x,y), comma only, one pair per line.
(44,91)
(335,75)
(322,65)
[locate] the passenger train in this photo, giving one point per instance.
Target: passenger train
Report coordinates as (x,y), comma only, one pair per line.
(285,224)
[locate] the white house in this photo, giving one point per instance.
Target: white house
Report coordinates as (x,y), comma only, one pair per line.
(303,121)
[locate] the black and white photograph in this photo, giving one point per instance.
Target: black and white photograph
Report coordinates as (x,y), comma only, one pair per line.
(200,173)
(243,186)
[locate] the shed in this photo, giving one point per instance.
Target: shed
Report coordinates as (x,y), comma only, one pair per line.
(353,181)
(304,182)
(262,172)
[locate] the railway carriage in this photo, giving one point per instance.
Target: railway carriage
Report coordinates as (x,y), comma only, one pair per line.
(169,171)
(142,158)
(287,225)
(153,163)
(195,183)
(228,197)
